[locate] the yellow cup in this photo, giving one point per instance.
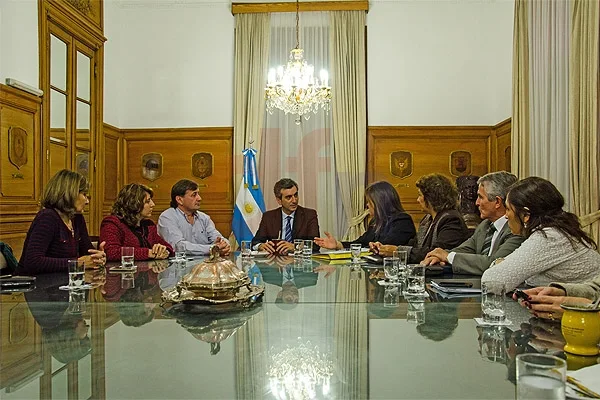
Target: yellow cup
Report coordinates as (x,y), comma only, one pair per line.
(581,329)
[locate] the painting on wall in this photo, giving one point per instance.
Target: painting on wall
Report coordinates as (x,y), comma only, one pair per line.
(401,164)
(17,146)
(460,163)
(152,165)
(202,165)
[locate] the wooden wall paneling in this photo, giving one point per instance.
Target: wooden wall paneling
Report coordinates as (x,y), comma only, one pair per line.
(20,164)
(431,148)
(87,15)
(350,5)
(502,149)
(110,163)
(177,148)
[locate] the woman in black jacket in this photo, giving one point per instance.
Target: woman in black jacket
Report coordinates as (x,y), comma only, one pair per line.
(443,226)
(389,222)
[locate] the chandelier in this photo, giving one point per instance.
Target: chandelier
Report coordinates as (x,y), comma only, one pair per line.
(297,372)
(293,89)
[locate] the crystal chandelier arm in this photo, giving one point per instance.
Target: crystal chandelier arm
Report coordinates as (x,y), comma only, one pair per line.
(297,24)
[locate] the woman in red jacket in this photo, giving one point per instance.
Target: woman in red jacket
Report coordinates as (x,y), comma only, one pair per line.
(129,226)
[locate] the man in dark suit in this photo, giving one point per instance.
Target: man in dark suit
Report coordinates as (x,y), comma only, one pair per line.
(492,238)
(288,222)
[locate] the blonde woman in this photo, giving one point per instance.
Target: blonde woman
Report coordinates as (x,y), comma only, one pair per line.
(58,232)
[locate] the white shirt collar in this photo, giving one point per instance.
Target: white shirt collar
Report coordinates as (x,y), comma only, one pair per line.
(499,223)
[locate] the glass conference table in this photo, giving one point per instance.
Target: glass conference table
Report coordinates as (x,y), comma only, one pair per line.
(321,331)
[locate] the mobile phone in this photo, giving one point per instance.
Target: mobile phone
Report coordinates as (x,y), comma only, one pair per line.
(521,295)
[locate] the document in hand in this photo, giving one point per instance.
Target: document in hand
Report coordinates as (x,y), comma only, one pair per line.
(457,286)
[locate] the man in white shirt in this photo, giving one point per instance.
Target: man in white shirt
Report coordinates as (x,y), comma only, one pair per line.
(183,223)
(492,239)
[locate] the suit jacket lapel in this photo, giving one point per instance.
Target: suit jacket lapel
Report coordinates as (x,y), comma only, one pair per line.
(483,234)
(278,221)
(501,235)
(297,220)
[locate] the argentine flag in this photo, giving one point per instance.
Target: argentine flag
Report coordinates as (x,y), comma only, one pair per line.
(249,204)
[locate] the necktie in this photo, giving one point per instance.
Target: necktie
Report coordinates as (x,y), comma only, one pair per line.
(288,229)
(487,243)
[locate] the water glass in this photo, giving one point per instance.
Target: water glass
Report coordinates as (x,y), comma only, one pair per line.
(415,279)
(415,312)
(76,273)
(355,249)
(540,376)
(127,280)
(307,249)
(298,246)
(179,251)
(127,257)
(246,248)
(390,269)
(391,296)
(492,302)
(401,259)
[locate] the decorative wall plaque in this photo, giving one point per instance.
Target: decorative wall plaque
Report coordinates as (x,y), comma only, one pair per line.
(460,163)
(152,164)
(82,163)
(401,164)
(17,146)
(202,165)
(83,6)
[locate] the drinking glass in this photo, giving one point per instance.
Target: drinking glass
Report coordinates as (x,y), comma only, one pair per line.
(415,278)
(179,251)
(492,302)
(355,249)
(298,246)
(307,249)
(76,272)
(415,313)
(401,258)
(127,280)
(127,257)
(540,376)
(390,296)
(246,248)
(390,269)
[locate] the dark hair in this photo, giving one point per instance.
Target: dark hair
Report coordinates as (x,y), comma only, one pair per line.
(130,203)
(386,203)
(439,192)
(542,201)
(180,188)
(62,190)
(282,184)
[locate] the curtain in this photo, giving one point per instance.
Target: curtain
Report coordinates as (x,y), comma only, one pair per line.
(349,108)
(520,83)
(252,37)
(583,117)
(549,93)
(251,358)
(301,149)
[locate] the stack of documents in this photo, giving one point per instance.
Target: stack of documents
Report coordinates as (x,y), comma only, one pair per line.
(453,288)
(339,254)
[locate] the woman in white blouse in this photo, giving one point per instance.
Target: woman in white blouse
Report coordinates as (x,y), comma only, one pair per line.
(556,249)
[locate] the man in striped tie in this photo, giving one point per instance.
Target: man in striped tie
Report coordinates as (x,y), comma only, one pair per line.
(492,239)
(279,227)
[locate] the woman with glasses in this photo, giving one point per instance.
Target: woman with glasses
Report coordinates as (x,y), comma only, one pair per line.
(58,232)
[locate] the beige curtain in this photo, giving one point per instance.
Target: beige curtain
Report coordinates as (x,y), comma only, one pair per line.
(349,113)
(520,106)
(583,114)
(549,33)
(252,37)
(351,334)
